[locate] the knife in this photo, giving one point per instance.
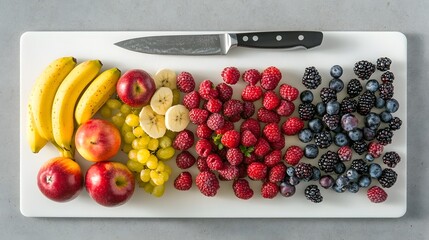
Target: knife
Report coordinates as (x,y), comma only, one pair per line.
(220,44)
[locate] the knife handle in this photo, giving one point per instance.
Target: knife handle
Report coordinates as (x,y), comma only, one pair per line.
(285,39)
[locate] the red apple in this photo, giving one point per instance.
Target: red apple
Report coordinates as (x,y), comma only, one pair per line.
(60,179)
(109,183)
(97,140)
(135,87)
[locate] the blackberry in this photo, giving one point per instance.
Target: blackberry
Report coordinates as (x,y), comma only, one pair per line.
(323,139)
(328,94)
(360,147)
(348,105)
(354,87)
(331,121)
(391,159)
(395,123)
(360,166)
(365,103)
(306,111)
(386,90)
(328,161)
(304,171)
(387,77)
(388,178)
(311,78)
(383,63)
(312,193)
(384,136)
(364,69)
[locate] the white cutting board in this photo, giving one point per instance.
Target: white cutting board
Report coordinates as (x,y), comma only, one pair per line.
(38,49)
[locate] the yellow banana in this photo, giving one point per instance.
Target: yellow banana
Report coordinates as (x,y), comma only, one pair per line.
(65,101)
(43,93)
(97,93)
(34,139)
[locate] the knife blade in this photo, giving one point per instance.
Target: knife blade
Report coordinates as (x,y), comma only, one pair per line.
(220,44)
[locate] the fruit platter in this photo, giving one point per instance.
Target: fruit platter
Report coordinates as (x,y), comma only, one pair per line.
(267,133)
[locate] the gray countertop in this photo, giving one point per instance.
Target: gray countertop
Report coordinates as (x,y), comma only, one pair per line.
(409,17)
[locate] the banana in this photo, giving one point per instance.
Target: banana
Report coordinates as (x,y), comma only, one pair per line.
(65,101)
(35,141)
(177,118)
(165,78)
(43,93)
(161,100)
(97,93)
(153,124)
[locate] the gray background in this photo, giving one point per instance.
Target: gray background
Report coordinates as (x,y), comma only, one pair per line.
(409,17)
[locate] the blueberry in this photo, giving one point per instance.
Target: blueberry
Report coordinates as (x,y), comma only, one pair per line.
(336,71)
(293,180)
(355,135)
(364,181)
(352,174)
(341,139)
(338,189)
(336,84)
(372,120)
(287,190)
(316,174)
(379,102)
(311,151)
(337,129)
(326,181)
(368,134)
(392,105)
(353,187)
(339,168)
(369,157)
(375,170)
(372,85)
(386,116)
(290,171)
(342,181)
(332,107)
(349,122)
(305,135)
(321,108)
(316,125)
(306,96)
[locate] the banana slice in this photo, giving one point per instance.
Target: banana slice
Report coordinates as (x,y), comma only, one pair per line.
(161,100)
(177,118)
(165,78)
(153,124)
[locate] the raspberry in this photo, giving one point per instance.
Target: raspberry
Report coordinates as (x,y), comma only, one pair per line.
(203,147)
(287,92)
(277,173)
(185,160)
(251,93)
(248,139)
(292,126)
(248,110)
(252,125)
(257,171)
(345,153)
(207,183)
(198,116)
(202,164)
(375,149)
(229,172)
(242,189)
(231,139)
(232,107)
(270,100)
(226,127)
(203,131)
(272,132)
(184,140)
(235,118)
(215,121)
(262,148)
(214,162)
(214,105)
(183,181)
(225,92)
(269,190)
(250,158)
(207,90)
(192,100)
(234,156)
(242,170)
(273,158)
(252,76)
(286,108)
(271,77)
(279,145)
(376,194)
(185,82)
(266,116)
(230,75)
(293,155)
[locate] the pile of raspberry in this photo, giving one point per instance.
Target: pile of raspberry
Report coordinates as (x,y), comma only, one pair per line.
(238,140)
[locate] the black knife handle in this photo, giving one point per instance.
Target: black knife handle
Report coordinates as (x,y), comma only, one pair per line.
(285,39)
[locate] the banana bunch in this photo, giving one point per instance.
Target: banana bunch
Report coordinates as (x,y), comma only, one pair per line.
(65,92)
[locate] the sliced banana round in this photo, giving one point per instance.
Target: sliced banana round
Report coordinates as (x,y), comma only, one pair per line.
(165,78)
(177,118)
(161,100)
(152,123)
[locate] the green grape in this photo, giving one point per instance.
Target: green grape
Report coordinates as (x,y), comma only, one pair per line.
(138,143)
(165,141)
(152,162)
(145,175)
(145,140)
(114,103)
(164,175)
(126,148)
(158,191)
(125,129)
(170,134)
(176,96)
(106,112)
(153,144)
(167,169)
(125,109)
(161,167)
(157,178)
(136,111)
(143,156)
(134,166)
(148,188)
(118,120)
(132,154)
(138,131)
(132,120)
(165,153)
(129,137)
